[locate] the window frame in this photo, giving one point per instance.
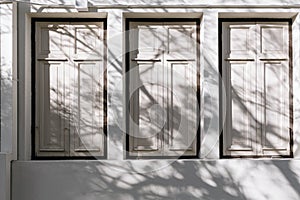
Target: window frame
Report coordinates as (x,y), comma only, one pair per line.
(127,81)
(221,89)
(33,88)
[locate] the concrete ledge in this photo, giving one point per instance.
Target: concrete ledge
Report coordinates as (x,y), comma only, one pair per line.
(156,179)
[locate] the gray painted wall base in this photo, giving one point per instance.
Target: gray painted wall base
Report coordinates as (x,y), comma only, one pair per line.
(5,176)
(181,179)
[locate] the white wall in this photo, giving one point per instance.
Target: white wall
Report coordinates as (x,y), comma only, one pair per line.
(209,80)
(7,89)
(116,178)
(7,76)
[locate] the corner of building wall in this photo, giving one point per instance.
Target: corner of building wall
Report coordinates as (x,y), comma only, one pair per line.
(22,94)
(6,52)
(8,151)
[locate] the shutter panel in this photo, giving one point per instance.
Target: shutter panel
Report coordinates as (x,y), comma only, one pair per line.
(181,71)
(274,65)
(88,82)
(51,113)
(146,87)
(240,135)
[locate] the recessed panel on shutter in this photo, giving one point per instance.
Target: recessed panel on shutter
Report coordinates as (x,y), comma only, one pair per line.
(276,133)
(150,107)
(53,116)
(242,139)
(181,132)
(87,124)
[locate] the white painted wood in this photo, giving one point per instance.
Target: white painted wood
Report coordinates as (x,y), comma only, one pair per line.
(70,85)
(181,62)
(183,124)
(164,102)
(87,110)
(52,116)
(242,139)
(150,98)
(239,56)
(256,75)
(87,101)
(51,113)
(273,59)
(146,86)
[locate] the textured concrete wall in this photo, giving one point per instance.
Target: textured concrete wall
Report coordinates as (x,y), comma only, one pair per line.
(6,63)
(5,175)
(7,134)
(141,180)
(117,178)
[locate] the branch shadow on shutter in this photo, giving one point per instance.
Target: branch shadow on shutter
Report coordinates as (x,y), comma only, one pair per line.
(162,63)
(256,71)
(70,83)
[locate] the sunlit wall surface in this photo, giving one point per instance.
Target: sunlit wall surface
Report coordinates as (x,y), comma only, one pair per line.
(145,99)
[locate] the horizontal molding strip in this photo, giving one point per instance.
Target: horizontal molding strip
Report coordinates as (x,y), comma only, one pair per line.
(53,59)
(146,60)
(239,59)
(120,6)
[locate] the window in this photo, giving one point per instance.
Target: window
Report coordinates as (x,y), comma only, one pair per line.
(69,89)
(162,83)
(257,76)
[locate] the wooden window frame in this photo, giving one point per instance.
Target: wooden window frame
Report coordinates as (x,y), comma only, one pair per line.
(221,119)
(127,68)
(33,88)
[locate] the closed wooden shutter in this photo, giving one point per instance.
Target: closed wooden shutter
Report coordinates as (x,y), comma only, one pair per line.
(256,76)
(273,61)
(69,89)
(163,83)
